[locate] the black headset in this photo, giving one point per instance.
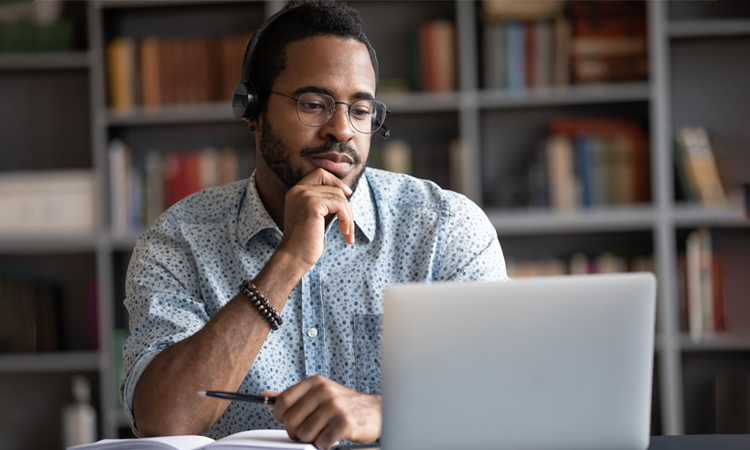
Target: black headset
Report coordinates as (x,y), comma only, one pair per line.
(247,97)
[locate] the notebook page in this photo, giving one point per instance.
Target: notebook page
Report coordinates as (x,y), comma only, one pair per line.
(260,439)
(157,443)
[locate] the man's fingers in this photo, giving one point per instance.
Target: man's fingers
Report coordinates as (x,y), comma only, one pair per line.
(332,432)
(290,396)
(322,177)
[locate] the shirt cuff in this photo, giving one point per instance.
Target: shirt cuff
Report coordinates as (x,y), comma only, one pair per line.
(130,383)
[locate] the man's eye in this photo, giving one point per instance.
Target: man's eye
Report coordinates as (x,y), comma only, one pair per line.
(312,106)
(360,113)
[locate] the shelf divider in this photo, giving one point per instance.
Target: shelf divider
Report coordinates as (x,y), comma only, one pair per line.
(50,362)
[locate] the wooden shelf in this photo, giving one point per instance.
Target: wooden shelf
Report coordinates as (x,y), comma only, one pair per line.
(686,215)
(524,222)
(73,243)
(569,95)
(106,4)
(50,362)
(708,28)
(45,61)
(716,342)
(421,102)
(172,114)
(407,103)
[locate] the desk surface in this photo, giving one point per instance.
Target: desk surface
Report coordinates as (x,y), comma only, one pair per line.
(701,442)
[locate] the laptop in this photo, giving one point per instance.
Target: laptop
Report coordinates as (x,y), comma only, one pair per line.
(557,363)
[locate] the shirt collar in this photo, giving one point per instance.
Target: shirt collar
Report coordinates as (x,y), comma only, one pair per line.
(253,216)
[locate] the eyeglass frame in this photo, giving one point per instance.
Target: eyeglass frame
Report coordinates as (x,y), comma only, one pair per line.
(385,133)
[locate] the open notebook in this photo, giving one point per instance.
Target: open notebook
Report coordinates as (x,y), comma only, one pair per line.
(254,439)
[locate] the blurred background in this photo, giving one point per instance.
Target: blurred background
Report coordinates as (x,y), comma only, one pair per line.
(598,136)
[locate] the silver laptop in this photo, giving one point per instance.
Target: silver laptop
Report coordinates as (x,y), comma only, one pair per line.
(552,363)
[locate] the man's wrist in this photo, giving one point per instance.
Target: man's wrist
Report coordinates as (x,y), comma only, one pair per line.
(294,267)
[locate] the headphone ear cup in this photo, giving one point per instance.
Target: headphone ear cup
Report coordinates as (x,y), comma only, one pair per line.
(246,101)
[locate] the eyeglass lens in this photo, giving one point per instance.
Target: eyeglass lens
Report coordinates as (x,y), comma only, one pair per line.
(366,116)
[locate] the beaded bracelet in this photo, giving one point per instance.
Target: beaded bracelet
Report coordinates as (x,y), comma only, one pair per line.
(260,302)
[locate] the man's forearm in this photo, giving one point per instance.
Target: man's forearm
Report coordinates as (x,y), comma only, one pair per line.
(217,357)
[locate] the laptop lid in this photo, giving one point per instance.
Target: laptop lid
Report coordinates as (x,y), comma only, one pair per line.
(547,363)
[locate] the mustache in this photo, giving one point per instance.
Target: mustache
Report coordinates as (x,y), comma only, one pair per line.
(330,146)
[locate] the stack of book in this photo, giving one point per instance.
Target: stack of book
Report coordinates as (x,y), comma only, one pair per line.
(609,41)
(579,264)
(590,162)
(145,185)
(435,65)
(525,45)
(158,71)
(697,168)
(51,203)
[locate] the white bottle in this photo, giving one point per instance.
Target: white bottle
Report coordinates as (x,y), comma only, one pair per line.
(79,418)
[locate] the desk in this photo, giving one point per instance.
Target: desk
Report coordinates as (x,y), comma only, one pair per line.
(701,442)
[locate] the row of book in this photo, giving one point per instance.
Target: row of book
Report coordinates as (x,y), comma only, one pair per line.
(441,162)
(702,276)
(697,168)
(540,44)
(156,71)
(579,264)
(145,184)
(590,162)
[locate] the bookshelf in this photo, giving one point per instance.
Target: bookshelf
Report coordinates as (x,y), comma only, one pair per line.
(497,128)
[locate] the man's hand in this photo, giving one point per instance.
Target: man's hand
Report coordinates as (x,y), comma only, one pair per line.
(322,411)
(308,204)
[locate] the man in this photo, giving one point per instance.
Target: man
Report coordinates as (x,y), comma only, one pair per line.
(317,234)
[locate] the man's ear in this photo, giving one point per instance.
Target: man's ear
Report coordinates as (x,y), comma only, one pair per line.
(254,125)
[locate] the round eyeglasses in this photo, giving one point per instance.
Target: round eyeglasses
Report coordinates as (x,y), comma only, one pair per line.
(315,109)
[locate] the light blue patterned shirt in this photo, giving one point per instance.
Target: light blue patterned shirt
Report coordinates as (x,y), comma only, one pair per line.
(188,265)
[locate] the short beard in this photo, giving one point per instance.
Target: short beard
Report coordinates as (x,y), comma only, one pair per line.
(276,155)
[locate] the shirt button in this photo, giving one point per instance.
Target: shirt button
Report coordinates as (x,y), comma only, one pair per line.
(312,332)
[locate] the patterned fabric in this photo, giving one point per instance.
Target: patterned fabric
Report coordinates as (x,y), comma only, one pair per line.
(188,265)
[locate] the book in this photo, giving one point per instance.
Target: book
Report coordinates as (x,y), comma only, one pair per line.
(563,38)
(609,42)
(516,60)
(121,68)
(437,56)
(119,162)
(705,275)
(397,156)
(561,173)
(698,161)
(254,439)
(494,56)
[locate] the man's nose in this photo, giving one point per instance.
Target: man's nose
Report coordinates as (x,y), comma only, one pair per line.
(338,126)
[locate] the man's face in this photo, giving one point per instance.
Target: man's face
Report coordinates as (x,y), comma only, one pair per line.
(340,68)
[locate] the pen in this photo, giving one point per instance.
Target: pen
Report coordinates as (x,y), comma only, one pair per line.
(239,397)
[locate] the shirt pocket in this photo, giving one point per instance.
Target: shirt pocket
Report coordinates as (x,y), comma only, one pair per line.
(368,346)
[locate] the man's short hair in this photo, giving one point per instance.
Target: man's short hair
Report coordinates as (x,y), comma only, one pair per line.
(306,19)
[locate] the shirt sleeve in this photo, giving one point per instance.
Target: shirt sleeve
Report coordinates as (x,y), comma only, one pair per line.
(470,249)
(163,301)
